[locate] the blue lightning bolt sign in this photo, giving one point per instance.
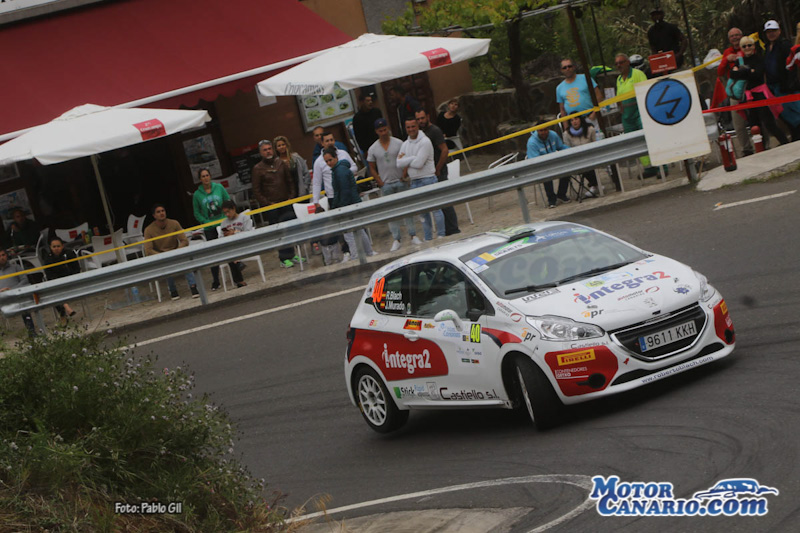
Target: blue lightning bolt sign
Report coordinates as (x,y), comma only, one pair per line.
(668,101)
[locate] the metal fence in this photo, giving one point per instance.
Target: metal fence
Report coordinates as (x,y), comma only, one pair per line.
(514,176)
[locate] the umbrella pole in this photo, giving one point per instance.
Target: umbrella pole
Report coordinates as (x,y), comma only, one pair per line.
(120,254)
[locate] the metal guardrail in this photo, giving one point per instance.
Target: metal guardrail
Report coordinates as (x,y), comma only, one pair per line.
(333,222)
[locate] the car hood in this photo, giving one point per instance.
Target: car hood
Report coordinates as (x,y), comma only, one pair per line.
(653,286)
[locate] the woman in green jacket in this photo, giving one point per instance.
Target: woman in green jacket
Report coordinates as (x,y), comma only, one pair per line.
(207,204)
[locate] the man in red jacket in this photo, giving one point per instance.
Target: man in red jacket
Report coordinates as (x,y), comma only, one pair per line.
(730,57)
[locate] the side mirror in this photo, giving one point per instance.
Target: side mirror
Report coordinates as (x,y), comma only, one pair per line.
(474,314)
(449,314)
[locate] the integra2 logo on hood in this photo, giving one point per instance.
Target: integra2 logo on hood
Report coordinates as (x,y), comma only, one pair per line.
(621,285)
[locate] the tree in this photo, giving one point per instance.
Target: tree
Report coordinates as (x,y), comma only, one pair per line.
(494,17)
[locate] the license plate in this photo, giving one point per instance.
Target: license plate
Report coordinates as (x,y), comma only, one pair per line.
(667,336)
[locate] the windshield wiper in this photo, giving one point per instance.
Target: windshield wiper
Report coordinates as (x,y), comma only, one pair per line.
(594,271)
(531,288)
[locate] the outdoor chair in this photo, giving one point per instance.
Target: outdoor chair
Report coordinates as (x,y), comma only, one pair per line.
(225,268)
(72,234)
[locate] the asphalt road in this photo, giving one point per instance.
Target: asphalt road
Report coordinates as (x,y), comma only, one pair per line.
(280,375)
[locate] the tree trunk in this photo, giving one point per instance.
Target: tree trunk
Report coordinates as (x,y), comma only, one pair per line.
(524,100)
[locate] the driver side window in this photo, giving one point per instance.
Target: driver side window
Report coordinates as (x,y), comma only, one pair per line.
(435,287)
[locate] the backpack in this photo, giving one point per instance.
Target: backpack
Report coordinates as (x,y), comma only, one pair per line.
(735,88)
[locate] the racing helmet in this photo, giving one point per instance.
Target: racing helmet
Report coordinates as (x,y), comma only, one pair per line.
(636,60)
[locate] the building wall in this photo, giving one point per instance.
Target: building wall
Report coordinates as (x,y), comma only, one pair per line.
(347,15)
(375,11)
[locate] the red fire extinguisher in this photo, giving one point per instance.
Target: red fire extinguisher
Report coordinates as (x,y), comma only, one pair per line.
(726,150)
(758,139)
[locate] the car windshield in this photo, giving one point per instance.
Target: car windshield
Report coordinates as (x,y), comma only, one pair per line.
(548,258)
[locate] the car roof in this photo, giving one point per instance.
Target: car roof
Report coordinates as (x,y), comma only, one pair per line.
(454,250)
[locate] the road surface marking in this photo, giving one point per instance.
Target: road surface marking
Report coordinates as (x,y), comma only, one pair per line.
(760,199)
(584,482)
(243,317)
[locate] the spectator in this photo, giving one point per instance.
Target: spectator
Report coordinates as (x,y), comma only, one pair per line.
(58,254)
(273,184)
(572,94)
(6,269)
(318,131)
(405,103)
(731,57)
(794,56)
(322,172)
(164,226)
(545,141)
(449,120)
(756,89)
(382,161)
(232,224)
(297,165)
(631,120)
(666,37)
(440,153)
(779,80)
(207,205)
(416,155)
(24,231)
(364,122)
(578,133)
(346,193)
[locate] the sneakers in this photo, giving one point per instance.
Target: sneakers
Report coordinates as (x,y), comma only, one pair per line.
(346,257)
(287,263)
(415,241)
(298,259)
(591,192)
(241,284)
(174,295)
(551,206)
(373,254)
(195,294)
(215,286)
(396,246)
(564,199)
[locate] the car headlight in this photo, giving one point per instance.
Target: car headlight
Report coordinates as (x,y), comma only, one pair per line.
(706,291)
(556,328)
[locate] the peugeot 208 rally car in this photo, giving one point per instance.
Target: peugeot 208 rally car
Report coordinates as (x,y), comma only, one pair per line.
(533,316)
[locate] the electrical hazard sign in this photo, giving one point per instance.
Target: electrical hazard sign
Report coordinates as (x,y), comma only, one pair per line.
(672,118)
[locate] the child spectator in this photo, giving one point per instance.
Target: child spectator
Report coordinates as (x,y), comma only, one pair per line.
(232,224)
(345,193)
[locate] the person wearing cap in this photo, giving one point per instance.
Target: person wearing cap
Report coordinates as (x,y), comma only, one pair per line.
(779,80)
(731,57)
(364,121)
(666,37)
(272,184)
(382,161)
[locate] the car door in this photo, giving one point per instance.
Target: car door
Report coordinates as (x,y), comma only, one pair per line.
(439,286)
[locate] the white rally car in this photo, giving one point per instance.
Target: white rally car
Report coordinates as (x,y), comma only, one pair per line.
(538,316)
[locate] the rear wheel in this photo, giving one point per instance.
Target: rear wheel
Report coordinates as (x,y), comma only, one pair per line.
(536,394)
(375,403)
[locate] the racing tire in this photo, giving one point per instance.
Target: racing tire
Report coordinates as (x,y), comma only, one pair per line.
(375,403)
(536,394)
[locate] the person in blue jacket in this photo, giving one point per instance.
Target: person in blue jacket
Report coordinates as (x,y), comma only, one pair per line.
(545,141)
(345,193)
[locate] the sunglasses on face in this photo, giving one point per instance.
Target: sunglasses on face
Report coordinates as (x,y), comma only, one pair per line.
(748,45)
(565,67)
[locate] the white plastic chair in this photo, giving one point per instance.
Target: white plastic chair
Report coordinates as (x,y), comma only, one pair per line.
(304,212)
(38,251)
(454,173)
(72,234)
(224,267)
(102,243)
(457,143)
(134,233)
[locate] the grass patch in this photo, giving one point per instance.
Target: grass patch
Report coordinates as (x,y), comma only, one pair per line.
(84,426)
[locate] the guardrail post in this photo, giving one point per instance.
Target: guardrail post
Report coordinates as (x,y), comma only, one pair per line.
(523,205)
(38,321)
(201,287)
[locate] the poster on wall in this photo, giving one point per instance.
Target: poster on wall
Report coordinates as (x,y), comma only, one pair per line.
(325,109)
(201,153)
(12,200)
(9,172)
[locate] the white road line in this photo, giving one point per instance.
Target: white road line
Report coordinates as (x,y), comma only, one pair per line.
(760,199)
(243,317)
(584,482)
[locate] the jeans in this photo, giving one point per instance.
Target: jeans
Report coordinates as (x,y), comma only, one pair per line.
(563,188)
(394,226)
(171,282)
(350,239)
(438,217)
(282,214)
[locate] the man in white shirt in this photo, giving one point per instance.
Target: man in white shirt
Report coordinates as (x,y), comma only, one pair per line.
(416,155)
(382,160)
(322,172)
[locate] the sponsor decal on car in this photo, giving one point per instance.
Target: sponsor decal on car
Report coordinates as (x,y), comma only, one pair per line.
(597,359)
(622,285)
(683,289)
(449,331)
(500,337)
(541,294)
(473,394)
(397,357)
(506,310)
(413,324)
(572,373)
(592,314)
(729,497)
(468,361)
(527,335)
(723,322)
(429,325)
(575,357)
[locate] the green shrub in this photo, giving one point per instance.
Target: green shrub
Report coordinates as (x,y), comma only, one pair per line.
(83,426)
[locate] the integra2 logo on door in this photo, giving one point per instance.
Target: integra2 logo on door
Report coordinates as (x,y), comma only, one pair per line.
(399,358)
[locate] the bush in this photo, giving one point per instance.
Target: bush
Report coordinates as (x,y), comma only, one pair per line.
(83,426)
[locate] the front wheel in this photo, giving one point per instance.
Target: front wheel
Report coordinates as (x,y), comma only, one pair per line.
(536,394)
(375,403)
